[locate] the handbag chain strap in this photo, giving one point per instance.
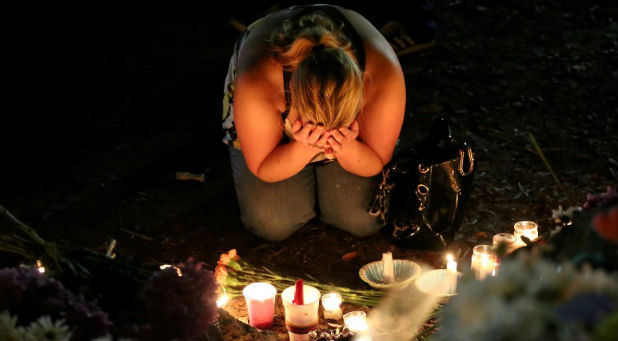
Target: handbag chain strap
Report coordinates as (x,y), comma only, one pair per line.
(381,203)
(423,193)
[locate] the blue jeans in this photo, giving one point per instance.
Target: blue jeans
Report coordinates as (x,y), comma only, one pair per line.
(274,211)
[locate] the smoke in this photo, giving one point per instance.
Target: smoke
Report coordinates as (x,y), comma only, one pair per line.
(402,313)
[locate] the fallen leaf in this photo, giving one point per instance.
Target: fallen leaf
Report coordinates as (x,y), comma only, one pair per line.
(349,256)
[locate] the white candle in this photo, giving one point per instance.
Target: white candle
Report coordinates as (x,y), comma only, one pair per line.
(451,274)
(356,321)
(331,303)
(528,229)
(484,261)
(387,267)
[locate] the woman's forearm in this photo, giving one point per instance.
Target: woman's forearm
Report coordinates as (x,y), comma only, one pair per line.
(285,161)
(358,158)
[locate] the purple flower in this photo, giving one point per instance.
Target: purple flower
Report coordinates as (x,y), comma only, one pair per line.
(180,302)
(29,295)
(606,199)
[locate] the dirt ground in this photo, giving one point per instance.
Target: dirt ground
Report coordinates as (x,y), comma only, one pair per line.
(106,107)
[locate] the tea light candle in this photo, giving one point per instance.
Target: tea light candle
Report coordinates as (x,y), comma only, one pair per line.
(331,303)
(484,261)
(260,298)
(504,238)
(529,229)
(451,274)
(356,321)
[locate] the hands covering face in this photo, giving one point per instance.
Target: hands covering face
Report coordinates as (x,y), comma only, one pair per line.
(329,141)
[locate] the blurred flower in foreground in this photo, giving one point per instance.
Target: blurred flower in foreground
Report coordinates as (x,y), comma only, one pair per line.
(43,329)
(8,327)
(180,302)
(531,299)
(47,330)
(606,224)
(28,295)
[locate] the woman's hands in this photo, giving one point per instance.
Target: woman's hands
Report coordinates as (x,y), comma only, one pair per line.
(342,136)
(330,142)
(310,135)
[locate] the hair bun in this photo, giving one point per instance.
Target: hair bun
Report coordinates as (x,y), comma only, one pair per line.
(317,48)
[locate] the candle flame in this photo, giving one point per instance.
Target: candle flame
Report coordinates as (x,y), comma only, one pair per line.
(449,257)
(40,267)
(222,300)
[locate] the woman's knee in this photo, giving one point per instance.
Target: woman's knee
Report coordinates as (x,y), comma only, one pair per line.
(274,227)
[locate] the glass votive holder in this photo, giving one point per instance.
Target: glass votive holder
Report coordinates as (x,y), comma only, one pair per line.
(356,321)
(506,239)
(484,261)
(528,229)
(331,304)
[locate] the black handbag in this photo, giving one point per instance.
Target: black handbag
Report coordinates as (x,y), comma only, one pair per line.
(422,195)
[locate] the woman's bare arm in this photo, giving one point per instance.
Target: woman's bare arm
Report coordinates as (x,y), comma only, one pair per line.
(259,127)
(382,115)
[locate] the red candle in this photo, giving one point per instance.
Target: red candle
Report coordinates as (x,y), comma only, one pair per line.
(260,298)
(298,293)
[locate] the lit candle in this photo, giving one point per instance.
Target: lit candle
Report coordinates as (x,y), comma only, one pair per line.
(40,267)
(331,303)
(356,321)
(260,298)
(451,274)
(388,270)
(222,300)
(504,238)
(484,261)
(528,229)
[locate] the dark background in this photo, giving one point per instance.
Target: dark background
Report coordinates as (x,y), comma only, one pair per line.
(104,102)
(90,76)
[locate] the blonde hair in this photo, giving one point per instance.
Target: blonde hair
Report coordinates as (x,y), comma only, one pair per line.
(326,86)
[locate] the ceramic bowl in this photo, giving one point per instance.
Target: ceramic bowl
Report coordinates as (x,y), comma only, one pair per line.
(432,283)
(405,272)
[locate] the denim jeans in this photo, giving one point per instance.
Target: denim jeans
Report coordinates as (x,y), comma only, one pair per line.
(274,211)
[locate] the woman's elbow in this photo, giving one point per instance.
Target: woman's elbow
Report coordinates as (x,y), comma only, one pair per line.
(264,176)
(375,171)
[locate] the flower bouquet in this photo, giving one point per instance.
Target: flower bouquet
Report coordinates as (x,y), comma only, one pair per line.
(532,298)
(233,273)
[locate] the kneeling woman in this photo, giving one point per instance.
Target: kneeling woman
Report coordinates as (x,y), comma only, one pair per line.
(313,107)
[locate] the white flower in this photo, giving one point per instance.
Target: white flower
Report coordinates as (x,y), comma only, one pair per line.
(9,329)
(44,329)
(559,214)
